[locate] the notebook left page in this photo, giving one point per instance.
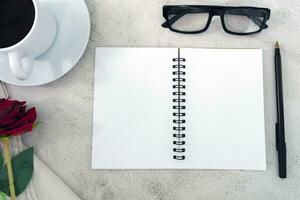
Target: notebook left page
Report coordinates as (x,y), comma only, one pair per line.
(132,108)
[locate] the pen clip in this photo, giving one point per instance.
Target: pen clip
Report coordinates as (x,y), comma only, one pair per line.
(277,135)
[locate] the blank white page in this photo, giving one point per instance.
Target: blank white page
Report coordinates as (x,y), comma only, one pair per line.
(225,109)
(133,109)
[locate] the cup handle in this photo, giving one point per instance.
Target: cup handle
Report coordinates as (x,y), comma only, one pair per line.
(20,66)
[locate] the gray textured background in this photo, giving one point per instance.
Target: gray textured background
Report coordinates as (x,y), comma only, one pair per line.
(64,138)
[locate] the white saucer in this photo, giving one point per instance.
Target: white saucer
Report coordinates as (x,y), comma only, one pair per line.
(73,21)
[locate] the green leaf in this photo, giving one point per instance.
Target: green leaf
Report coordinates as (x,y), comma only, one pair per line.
(3,196)
(22,170)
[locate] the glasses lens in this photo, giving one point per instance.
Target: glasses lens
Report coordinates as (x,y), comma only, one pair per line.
(188,19)
(244,20)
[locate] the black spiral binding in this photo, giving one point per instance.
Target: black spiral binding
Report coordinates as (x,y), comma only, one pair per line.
(179,107)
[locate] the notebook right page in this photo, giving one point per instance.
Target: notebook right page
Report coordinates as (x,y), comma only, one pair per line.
(224,109)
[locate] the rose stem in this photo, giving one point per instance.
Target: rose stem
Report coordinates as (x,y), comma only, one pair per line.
(7,156)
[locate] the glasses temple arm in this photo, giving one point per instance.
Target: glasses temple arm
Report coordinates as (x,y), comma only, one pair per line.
(255,19)
(173,19)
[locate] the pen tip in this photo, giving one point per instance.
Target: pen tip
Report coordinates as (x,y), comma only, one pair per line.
(277,45)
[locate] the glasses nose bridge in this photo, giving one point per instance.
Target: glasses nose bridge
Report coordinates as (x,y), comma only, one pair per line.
(215,11)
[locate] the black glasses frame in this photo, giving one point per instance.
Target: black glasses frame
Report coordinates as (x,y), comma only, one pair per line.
(212,11)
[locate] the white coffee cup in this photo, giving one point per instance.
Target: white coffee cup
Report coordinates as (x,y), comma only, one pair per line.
(39,39)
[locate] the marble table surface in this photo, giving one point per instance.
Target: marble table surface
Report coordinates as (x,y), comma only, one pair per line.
(63,140)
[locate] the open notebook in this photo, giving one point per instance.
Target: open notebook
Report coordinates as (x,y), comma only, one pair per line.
(158,108)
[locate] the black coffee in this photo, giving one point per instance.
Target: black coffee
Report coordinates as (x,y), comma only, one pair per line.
(16,20)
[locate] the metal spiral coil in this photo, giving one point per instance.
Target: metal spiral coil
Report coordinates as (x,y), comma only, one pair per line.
(179,107)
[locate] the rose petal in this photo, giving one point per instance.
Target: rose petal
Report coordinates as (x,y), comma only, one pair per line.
(29,117)
(23,109)
(14,120)
(12,116)
(17,131)
(5,107)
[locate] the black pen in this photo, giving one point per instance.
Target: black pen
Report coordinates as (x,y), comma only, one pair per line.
(280,131)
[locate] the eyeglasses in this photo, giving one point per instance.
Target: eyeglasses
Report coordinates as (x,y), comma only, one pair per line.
(191,19)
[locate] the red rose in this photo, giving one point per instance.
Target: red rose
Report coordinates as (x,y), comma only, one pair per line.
(14,119)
